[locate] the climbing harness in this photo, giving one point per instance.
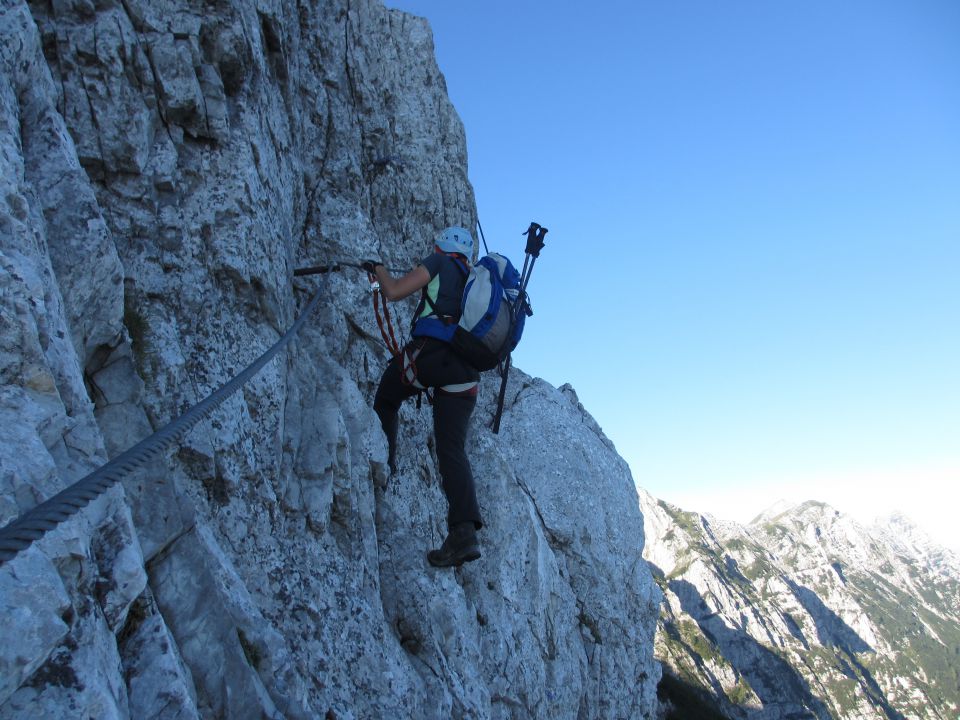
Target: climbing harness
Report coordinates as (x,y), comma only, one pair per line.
(408,376)
(34,524)
(535,234)
(408,373)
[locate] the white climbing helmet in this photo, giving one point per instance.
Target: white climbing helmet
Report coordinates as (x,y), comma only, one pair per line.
(456,240)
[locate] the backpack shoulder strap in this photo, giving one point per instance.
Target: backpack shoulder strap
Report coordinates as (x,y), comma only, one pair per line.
(461,265)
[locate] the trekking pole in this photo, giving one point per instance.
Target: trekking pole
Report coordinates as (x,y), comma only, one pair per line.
(483,237)
(535,234)
(526,262)
(503,393)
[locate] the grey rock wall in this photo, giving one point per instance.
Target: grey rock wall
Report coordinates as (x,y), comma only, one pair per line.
(166,166)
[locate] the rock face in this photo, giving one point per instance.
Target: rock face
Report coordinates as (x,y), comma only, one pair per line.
(166,166)
(804,613)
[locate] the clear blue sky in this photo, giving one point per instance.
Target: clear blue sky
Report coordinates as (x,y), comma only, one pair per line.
(752,275)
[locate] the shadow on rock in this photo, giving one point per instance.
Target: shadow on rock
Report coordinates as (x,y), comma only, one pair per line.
(773,680)
(832,631)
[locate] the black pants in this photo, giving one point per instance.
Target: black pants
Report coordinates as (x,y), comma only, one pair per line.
(437,365)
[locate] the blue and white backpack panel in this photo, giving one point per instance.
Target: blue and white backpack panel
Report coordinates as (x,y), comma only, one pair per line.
(488,312)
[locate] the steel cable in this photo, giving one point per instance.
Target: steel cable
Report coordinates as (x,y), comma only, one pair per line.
(43,518)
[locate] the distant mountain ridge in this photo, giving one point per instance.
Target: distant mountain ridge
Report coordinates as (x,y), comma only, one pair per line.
(806,613)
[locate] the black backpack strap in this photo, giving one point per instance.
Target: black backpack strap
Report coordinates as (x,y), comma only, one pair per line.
(429,302)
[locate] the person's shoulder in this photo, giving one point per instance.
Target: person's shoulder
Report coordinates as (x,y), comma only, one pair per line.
(446,264)
(433,262)
(457,263)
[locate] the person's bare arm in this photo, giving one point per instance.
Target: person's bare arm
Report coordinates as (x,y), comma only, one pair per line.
(399,288)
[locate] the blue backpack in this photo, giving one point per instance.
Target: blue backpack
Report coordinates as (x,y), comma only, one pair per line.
(492,314)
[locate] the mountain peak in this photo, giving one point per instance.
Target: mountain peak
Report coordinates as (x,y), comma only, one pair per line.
(783,507)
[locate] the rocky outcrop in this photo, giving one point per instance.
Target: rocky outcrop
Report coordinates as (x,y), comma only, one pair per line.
(166,166)
(806,613)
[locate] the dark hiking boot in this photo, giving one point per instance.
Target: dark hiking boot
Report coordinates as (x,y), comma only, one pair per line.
(460,546)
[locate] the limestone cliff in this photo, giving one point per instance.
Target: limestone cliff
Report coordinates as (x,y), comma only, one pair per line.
(166,166)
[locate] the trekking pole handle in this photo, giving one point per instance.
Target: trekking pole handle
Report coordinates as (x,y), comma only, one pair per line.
(535,234)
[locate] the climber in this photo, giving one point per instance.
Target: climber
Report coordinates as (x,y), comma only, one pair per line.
(429,362)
